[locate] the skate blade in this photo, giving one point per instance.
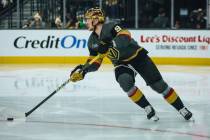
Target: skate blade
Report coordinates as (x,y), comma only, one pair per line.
(192,119)
(155,118)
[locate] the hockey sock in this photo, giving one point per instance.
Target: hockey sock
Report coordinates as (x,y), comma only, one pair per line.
(172,98)
(138,97)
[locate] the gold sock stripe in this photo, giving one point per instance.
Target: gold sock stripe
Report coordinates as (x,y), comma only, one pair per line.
(136,96)
(171,97)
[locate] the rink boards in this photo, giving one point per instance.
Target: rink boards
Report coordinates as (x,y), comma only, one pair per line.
(184,47)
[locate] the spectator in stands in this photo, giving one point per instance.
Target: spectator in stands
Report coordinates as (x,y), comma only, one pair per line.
(112,8)
(192,18)
(71,24)
(58,22)
(37,23)
(177,24)
(71,21)
(28,23)
(5,3)
(161,21)
(197,19)
(80,21)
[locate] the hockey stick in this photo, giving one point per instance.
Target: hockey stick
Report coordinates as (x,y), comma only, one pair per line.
(60,87)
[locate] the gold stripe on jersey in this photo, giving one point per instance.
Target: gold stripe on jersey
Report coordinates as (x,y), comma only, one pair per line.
(124,32)
(136,96)
(133,56)
(171,97)
(99,61)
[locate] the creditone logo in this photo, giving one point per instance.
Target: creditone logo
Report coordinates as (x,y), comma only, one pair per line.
(66,42)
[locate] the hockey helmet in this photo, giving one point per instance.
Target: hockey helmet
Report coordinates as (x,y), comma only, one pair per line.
(95,13)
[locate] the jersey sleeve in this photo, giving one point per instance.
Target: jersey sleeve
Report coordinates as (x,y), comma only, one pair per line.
(122,37)
(92,53)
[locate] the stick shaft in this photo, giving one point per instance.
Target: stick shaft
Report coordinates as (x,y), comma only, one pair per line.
(45,99)
(60,87)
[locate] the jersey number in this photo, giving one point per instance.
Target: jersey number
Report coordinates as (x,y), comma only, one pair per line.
(117,28)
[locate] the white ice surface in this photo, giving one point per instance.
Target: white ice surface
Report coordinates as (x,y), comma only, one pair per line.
(97,109)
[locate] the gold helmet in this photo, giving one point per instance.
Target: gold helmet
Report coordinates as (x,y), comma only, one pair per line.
(95,13)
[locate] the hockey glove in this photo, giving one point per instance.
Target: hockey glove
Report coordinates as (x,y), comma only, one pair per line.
(102,47)
(77,73)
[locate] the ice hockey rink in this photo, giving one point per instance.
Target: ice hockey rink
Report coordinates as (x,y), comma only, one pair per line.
(96,108)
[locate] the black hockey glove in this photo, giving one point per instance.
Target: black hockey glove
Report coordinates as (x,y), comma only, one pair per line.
(102,46)
(77,73)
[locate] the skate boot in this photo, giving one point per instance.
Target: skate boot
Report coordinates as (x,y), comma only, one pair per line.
(151,115)
(186,113)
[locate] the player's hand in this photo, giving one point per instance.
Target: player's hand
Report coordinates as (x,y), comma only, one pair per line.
(102,47)
(77,73)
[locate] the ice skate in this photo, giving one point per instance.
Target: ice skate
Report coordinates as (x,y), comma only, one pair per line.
(151,115)
(186,114)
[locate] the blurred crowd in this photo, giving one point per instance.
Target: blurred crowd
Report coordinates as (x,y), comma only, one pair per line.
(37,22)
(151,15)
(196,20)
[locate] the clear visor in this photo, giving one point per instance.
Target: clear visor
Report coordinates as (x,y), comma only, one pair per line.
(86,18)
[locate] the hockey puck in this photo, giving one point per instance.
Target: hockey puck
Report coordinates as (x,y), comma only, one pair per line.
(10,119)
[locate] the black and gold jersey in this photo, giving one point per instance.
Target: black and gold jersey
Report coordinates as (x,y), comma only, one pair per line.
(124,48)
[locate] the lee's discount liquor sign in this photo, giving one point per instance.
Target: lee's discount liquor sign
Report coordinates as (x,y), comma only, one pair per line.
(172,43)
(159,43)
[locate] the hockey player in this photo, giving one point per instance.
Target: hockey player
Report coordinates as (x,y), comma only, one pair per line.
(128,58)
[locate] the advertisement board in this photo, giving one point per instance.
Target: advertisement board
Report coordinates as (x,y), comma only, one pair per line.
(44,43)
(175,43)
(56,45)
(164,43)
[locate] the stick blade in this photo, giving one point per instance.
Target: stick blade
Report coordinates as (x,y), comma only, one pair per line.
(9,114)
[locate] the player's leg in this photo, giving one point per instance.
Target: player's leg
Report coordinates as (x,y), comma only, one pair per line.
(148,70)
(125,76)
(171,97)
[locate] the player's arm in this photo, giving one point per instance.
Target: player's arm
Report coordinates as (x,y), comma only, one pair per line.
(77,74)
(92,54)
(95,65)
